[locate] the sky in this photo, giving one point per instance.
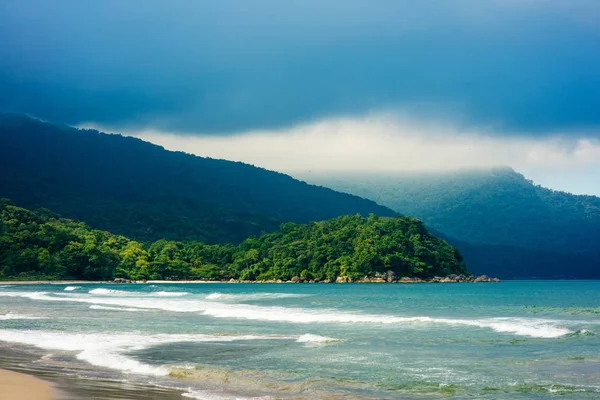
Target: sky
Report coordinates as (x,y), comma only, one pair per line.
(338,85)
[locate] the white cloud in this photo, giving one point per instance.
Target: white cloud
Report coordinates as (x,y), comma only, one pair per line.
(386,143)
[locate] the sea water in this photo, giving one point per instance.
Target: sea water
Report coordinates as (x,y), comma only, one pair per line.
(507,340)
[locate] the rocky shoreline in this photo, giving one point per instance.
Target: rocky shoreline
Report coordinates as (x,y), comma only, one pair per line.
(389,277)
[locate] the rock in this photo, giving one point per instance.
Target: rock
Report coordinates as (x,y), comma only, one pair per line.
(327,281)
(378,280)
(343,279)
(482,278)
(295,279)
(390,276)
(495,280)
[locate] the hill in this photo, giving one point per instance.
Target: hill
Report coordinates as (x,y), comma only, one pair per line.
(40,244)
(503,223)
(130,187)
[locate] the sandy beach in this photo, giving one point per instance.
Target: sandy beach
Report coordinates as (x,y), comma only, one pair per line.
(14,385)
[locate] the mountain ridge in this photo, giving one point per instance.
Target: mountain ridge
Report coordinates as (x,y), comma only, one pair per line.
(503,223)
(131,187)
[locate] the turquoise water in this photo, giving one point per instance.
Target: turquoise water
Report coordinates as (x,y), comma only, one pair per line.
(507,340)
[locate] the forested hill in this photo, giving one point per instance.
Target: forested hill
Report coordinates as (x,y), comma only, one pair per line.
(134,188)
(40,244)
(503,223)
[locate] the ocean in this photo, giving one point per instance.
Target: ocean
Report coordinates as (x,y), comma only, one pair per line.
(506,340)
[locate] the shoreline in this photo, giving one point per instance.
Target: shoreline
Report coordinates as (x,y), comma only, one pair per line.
(42,282)
(295,280)
(17,385)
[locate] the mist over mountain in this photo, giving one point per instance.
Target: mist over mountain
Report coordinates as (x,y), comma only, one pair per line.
(130,187)
(503,223)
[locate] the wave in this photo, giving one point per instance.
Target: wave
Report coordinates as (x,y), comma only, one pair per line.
(6,286)
(309,338)
(11,316)
(533,327)
(110,292)
(169,294)
(107,308)
(109,350)
(71,288)
(252,296)
(113,292)
(211,395)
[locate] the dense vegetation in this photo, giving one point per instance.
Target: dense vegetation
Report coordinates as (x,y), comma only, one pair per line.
(40,244)
(503,223)
(134,188)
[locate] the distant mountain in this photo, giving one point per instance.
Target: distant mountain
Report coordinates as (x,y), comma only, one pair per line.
(502,222)
(134,188)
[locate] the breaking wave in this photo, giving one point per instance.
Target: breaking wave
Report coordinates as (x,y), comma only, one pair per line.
(107,308)
(110,292)
(121,293)
(169,294)
(309,338)
(12,316)
(533,327)
(108,350)
(252,296)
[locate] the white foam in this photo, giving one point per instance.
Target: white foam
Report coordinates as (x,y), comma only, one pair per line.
(121,293)
(211,395)
(108,308)
(108,349)
(539,328)
(252,296)
(71,288)
(169,294)
(11,316)
(110,292)
(309,338)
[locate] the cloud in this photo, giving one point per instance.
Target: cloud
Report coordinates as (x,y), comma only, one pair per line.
(224,66)
(386,143)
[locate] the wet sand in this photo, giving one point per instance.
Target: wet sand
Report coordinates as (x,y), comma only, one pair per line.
(64,386)
(14,385)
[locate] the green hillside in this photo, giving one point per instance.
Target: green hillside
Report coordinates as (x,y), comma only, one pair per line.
(40,244)
(503,223)
(134,188)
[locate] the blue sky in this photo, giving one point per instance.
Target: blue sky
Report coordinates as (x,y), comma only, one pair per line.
(515,73)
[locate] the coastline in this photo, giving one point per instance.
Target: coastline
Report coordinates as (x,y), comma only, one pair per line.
(47,282)
(16,385)
(295,280)
(32,383)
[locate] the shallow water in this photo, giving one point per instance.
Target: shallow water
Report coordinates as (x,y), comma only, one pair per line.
(507,340)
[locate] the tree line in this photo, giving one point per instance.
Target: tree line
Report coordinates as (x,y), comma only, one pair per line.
(42,245)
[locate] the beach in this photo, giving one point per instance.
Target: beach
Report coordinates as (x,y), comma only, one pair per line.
(15,385)
(245,341)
